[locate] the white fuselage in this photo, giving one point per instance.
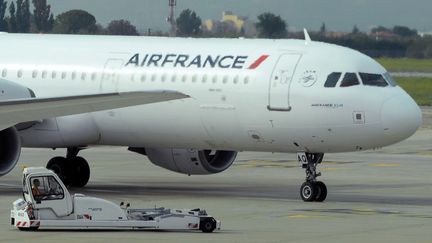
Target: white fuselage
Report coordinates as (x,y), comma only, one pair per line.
(255,95)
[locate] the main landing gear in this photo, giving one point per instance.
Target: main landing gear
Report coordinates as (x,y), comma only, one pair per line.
(73,170)
(312,190)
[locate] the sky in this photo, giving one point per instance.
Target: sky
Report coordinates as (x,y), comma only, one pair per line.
(338,15)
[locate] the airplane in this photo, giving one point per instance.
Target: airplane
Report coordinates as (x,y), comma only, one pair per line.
(202,101)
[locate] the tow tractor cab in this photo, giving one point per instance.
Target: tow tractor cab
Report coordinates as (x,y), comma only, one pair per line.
(47,204)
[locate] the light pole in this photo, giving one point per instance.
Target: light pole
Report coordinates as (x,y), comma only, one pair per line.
(171,18)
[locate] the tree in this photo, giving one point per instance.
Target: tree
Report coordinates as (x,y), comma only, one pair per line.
(12,19)
(75,22)
(3,22)
(43,18)
(323,29)
(121,27)
(380,29)
(355,30)
(271,26)
(403,31)
(23,16)
(188,23)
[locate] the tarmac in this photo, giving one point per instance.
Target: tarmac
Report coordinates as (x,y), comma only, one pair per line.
(374,196)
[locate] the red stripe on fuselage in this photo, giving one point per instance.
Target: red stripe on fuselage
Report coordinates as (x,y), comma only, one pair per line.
(258,62)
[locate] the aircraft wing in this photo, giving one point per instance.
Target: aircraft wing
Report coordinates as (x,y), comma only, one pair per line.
(24,110)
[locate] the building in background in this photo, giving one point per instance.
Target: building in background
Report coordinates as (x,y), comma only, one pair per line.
(230,24)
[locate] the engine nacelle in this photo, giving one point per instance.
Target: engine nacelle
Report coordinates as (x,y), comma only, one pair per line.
(10,142)
(10,150)
(192,161)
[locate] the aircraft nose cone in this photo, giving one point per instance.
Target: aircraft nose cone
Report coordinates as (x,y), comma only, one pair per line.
(401,117)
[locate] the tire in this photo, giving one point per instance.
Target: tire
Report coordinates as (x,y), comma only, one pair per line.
(59,165)
(28,229)
(80,172)
(208,225)
(322,191)
(308,191)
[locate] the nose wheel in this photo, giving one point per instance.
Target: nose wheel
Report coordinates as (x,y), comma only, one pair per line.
(312,190)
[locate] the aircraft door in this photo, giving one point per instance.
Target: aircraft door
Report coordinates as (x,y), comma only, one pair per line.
(280,82)
(111,75)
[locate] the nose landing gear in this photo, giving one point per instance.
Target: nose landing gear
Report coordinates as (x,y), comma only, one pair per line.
(312,190)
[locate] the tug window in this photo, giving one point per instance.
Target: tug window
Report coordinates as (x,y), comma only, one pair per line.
(349,80)
(332,80)
(373,80)
(46,188)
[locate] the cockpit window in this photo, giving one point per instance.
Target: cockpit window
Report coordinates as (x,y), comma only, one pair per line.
(390,80)
(373,80)
(350,79)
(332,80)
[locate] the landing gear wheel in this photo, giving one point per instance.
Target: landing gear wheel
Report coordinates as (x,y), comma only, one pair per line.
(59,166)
(308,191)
(80,172)
(322,191)
(208,225)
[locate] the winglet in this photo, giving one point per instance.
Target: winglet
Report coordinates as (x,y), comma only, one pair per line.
(307,37)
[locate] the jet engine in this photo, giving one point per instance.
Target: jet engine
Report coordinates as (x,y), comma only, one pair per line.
(191,161)
(10,150)
(10,142)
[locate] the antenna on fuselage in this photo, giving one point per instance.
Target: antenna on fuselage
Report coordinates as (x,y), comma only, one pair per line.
(307,37)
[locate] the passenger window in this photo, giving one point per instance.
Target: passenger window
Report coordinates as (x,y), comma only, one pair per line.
(35,73)
(44,74)
(349,80)
(173,78)
(215,78)
(20,73)
(63,75)
(332,80)
(373,80)
(73,75)
(143,78)
(83,76)
(246,80)
(93,76)
(53,75)
(225,79)
(236,79)
(4,73)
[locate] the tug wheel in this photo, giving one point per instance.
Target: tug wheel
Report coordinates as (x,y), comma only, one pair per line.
(208,225)
(28,229)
